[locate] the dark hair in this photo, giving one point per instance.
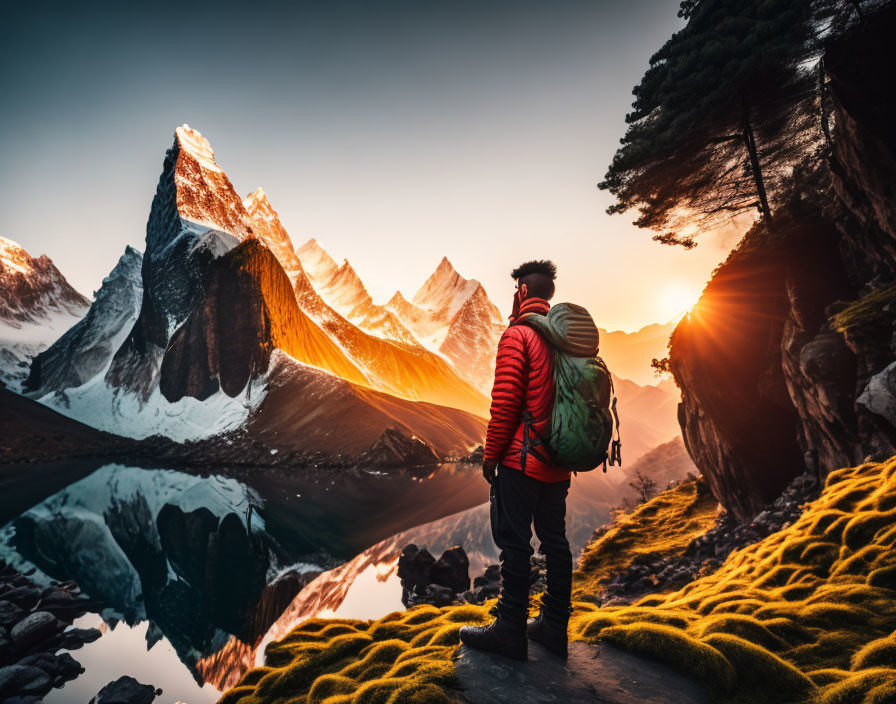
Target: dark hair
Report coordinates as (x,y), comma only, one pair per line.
(538,275)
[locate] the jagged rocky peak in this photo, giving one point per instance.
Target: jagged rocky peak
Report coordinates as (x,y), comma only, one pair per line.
(397,300)
(195,217)
(258,205)
(318,264)
(86,349)
(445,290)
(266,226)
(346,281)
(204,193)
(33,288)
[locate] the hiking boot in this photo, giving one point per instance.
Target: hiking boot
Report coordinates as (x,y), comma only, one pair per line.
(550,633)
(502,636)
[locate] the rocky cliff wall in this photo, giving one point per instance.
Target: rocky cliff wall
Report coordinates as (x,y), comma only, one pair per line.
(788,361)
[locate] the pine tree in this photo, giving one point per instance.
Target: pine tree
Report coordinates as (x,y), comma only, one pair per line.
(721,117)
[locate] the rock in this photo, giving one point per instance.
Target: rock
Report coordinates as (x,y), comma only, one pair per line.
(126,690)
(33,629)
(395,448)
(879,396)
(707,552)
(23,679)
(438,595)
(452,570)
(414,567)
(10,614)
(74,638)
(604,676)
(7,650)
(25,596)
(61,667)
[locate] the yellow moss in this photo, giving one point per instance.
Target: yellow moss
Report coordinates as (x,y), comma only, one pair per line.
(403,657)
(877,653)
(761,675)
(830,675)
(675,648)
(867,312)
(745,627)
(327,686)
(876,686)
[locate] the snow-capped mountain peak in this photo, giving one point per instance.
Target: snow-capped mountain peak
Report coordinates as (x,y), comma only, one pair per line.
(346,287)
(444,291)
(258,205)
(266,226)
(204,193)
(33,288)
(13,256)
(317,262)
(193,143)
(37,305)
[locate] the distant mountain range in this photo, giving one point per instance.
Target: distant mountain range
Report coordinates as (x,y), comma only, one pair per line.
(629,353)
(222,330)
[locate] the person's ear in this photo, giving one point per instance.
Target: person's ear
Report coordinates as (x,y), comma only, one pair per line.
(524,290)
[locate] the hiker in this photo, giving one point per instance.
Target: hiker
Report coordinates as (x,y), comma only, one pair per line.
(525,453)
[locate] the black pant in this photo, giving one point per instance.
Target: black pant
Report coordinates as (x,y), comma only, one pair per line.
(516,502)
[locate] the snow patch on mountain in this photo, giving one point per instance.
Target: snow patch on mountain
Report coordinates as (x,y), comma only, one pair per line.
(122,412)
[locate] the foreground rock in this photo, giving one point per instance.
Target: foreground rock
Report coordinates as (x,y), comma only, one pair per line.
(126,690)
(602,676)
(446,581)
(425,580)
(34,625)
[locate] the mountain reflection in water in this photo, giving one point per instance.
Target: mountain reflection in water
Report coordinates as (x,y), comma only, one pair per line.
(218,567)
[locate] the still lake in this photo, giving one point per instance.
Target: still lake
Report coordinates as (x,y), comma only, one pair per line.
(193,575)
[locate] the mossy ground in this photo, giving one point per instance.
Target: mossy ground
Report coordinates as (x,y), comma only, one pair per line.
(405,657)
(868,315)
(806,615)
(663,526)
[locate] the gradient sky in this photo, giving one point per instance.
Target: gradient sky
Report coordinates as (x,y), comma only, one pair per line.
(394,132)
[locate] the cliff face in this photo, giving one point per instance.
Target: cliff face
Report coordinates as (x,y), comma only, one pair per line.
(87,348)
(787,361)
(248,309)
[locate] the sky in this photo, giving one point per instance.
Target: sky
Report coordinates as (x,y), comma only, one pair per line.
(394,132)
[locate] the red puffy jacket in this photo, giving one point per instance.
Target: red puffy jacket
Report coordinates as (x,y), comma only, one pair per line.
(524,381)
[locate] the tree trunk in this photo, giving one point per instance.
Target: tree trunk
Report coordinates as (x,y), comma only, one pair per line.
(750,141)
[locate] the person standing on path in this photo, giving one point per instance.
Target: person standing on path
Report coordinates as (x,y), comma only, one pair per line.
(526,485)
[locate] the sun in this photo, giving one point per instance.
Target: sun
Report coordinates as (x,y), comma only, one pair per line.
(676,299)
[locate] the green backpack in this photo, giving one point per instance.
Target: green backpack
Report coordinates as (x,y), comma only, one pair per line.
(582,421)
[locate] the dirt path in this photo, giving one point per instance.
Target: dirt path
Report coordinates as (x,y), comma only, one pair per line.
(605,676)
